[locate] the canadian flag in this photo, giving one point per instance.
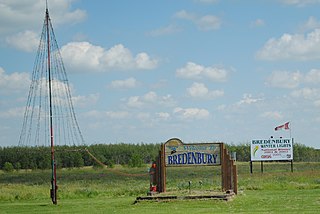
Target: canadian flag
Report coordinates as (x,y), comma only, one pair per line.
(284,126)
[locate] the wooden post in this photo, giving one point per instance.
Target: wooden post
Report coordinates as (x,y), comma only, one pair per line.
(261,166)
(228,169)
(292,165)
(235,179)
(251,170)
(163,168)
(229,177)
(158,170)
(223,170)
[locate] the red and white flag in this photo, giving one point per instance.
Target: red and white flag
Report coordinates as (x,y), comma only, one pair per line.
(284,126)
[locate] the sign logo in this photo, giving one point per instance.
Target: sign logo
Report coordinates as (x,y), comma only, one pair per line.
(256,148)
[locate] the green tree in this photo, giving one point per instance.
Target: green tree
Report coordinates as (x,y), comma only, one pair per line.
(135,161)
(17,165)
(78,160)
(8,167)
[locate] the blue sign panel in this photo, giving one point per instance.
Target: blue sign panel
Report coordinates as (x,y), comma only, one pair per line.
(179,154)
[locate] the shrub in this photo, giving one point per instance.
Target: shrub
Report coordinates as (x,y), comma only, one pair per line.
(17,166)
(8,167)
(135,161)
(110,164)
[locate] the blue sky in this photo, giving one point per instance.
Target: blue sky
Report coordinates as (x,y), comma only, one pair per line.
(147,71)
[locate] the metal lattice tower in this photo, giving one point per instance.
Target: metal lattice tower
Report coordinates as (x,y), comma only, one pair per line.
(49,117)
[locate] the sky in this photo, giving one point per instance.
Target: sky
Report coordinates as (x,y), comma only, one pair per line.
(146,71)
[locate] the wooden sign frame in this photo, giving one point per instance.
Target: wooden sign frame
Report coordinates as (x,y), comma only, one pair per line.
(229,178)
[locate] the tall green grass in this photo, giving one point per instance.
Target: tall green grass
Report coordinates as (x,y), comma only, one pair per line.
(121,181)
(91,190)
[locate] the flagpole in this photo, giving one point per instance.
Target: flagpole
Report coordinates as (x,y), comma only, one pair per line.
(292,147)
(290,128)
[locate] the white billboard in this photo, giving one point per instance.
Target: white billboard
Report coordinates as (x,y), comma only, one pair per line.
(271,149)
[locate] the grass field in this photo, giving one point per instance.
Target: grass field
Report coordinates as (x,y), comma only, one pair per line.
(87,190)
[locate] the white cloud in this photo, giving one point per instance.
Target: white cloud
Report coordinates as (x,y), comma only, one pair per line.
(149,99)
(204,23)
(292,47)
(135,102)
(143,61)
(199,90)
(118,57)
(190,71)
(274,115)
(208,22)
(27,41)
(59,88)
(144,116)
(118,114)
(17,15)
(167,30)
(317,104)
(290,80)
(13,113)
(313,76)
(194,71)
(102,115)
(84,56)
(285,79)
(247,99)
(311,24)
(185,15)
(191,113)
(84,101)
(207,1)
(300,2)
(163,115)
(258,23)
(60,91)
(70,17)
(161,83)
(215,73)
(222,107)
(124,84)
(306,93)
(14,82)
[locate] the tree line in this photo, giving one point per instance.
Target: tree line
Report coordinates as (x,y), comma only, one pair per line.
(132,155)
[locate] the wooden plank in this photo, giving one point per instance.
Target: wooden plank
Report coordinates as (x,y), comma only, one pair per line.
(225,197)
